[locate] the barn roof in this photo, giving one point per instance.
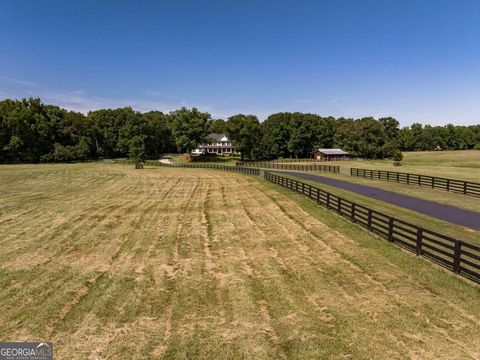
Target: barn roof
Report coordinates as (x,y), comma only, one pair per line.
(333,152)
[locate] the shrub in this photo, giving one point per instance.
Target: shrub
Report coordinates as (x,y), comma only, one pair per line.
(397,156)
(63,153)
(137,149)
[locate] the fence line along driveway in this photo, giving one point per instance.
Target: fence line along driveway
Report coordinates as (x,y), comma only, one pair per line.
(299,167)
(434,182)
(452,214)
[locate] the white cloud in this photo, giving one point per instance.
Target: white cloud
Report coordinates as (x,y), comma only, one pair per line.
(459,111)
(18,82)
(78,100)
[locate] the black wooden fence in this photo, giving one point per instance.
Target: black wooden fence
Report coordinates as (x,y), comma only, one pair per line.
(458,256)
(244,170)
(458,186)
(286,160)
(272,165)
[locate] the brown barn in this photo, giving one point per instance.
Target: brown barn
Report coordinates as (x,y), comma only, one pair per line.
(330,155)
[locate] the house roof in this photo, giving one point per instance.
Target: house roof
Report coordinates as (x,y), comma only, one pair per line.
(214,147)
(333,152)
(216,137)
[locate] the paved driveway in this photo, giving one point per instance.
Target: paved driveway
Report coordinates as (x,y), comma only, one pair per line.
(452,214)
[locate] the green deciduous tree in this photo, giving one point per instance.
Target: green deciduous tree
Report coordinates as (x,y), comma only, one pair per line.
(245,133)
(397,156)
(159,138)
(217,126)
(136,148)
(31,131)
(189,128)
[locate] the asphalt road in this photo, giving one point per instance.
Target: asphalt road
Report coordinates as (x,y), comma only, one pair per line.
(452,214)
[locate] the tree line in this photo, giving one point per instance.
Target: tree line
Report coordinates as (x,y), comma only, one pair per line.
(31,131)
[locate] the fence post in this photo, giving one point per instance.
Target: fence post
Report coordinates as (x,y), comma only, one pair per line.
(328,201)
(408,179)
(369,223)
(448,184)
(418,248)
(339,205)
(390,229)
(352,215)
(464,187)
(456,257)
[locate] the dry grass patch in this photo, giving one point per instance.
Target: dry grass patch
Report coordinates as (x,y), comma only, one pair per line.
(110,262)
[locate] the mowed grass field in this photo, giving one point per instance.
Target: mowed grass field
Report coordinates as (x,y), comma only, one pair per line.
(111,262)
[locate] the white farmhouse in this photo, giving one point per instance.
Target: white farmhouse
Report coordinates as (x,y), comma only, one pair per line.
(216,144)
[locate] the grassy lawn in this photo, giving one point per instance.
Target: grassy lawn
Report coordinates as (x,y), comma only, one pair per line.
(112,262)
(461,164)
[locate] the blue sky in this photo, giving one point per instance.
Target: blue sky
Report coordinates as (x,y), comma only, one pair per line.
(418,61)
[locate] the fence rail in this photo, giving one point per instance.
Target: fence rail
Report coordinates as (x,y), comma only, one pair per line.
(240,169)
(456,255)
(272,165)
(286,160)
(457,186)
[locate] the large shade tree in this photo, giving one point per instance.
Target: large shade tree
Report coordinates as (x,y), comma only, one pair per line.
(189,128)
(245,133)
(158,134)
